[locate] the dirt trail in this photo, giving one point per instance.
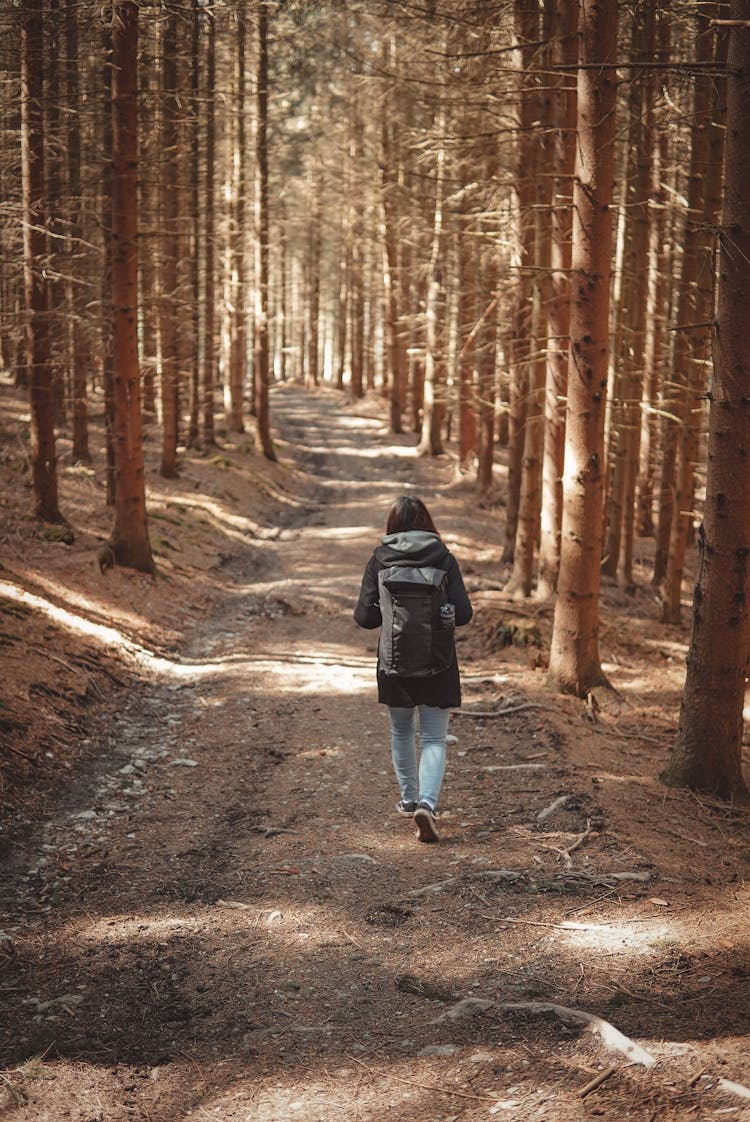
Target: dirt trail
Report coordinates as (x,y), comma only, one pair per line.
(225,919)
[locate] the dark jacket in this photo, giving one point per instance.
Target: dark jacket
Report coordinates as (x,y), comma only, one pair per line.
(442,690)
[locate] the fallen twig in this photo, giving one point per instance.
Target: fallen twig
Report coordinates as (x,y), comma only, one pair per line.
(548,811)
(597,1081)
(611,1037)
(487,715)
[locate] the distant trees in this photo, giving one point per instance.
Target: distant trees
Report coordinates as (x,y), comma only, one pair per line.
(381,197)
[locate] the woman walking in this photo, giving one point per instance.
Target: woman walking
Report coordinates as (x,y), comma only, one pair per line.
(406,684)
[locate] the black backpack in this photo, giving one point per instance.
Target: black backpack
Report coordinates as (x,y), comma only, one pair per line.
(416,640)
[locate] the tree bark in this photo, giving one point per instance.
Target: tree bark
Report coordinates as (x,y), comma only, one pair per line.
(574,656)
(238,242)
(529,501)
(39,372)
(262,409)
(707,754)
(129,543)
(78,358)
(433,404)
(208,358)
(656,343)
(526,34)
(168,190)
(695,307)
(618,552)
(558,310)
(107,315)
(194,388)
(395,351)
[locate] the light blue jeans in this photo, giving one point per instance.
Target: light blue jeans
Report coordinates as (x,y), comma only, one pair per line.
(419,778)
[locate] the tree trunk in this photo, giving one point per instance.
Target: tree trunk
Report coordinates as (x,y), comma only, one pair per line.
(526,36)
(656,344)
(39,373)
(518,351)
(468,434)
(58,314)
(433,405)
(238,241)
(529,502)
(107,315)
(708,752)
(574,656)
(618,552)
(129,543)
(194,388)
(558,310)
(168,190)
(79,360)
(395,351)
(149,262)
(262,411)
(695,308)
(313,288)
(208,358)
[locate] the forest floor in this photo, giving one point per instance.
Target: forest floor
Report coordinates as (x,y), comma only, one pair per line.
(209,908)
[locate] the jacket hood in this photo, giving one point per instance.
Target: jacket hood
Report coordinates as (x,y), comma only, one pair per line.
(410,541)
(421,546)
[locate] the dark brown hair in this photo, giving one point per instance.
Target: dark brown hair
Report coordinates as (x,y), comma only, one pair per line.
(409,513)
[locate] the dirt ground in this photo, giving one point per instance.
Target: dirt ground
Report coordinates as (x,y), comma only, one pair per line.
(210,910)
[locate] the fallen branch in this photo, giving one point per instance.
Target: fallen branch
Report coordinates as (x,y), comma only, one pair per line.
(596,1082)
(548,811)
(611,1037)
(486,715)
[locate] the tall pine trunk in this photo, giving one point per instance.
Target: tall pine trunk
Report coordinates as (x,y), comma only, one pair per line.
(708,751)
(38,367)
(695,310)
(558,310)
(168,190)
(262,409)
(238,243)
(129,542)
(626,434)
(574,656)
(526,34)
(208,356)
(433,404)
(78,358)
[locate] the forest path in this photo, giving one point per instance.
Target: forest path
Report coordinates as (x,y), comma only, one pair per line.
(226,920)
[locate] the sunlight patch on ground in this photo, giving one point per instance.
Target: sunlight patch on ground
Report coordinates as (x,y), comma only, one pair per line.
(108,636)
(639,939)
(73,599)
(328,533)
(216,513)
(138,929)
(293,671)
(376,452)
(343,1095)
(287,924)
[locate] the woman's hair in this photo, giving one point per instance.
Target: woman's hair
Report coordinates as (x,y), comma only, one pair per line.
(409,513)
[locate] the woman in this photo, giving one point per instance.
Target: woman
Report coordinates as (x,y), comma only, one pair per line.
(411,539)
